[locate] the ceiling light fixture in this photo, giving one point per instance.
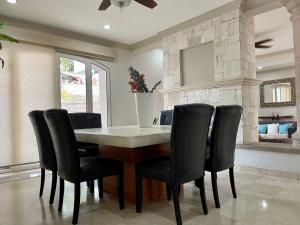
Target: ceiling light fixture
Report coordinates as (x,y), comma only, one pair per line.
(107,27)
(12,1)
(260,67)
(121,3)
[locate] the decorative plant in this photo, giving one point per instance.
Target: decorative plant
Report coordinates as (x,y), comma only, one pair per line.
(4,37)
(137,82)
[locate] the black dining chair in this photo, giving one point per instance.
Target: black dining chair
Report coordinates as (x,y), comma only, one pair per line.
(73,169)
(222,145)
(46,151)
(166,117)
(85,120)
(186,163)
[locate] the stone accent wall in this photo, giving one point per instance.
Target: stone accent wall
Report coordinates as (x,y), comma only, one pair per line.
(234,59)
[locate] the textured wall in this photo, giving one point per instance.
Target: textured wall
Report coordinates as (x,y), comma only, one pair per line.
(234,59)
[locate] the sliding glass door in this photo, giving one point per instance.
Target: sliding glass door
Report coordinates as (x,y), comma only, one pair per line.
(83,86)
(99,89)
(72,85)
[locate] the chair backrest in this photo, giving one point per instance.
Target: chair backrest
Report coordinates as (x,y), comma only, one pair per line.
(44,141)
(223,136)
(65,144)
(188,141)
(166,117)
(85,120)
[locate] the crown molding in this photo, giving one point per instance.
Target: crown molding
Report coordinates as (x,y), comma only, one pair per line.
(255,7)
(267,55)
(62,32)
(249,7)
(156,41)
(276,68)
(235,5)
(147,44)
(216,84)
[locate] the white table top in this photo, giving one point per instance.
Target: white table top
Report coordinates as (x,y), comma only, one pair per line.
(126,136)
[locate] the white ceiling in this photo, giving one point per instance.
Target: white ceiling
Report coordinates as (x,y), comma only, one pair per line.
(276,25)
(135,23)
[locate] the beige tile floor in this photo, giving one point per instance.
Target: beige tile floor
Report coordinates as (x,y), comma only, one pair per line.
(262,200)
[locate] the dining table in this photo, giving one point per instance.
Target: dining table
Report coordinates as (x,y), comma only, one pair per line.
(130,145)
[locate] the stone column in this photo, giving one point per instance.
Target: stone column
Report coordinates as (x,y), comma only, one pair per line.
(293,6)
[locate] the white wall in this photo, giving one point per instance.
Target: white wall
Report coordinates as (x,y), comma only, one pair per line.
(150,63)
(268,160)
(274,75)
(122,101)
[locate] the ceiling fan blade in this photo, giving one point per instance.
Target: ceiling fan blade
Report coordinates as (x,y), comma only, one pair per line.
(263,46)
(104,5)
(264,41)
(148,3)
(260,44)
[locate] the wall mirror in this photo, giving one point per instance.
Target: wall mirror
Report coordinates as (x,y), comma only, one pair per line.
(278,93)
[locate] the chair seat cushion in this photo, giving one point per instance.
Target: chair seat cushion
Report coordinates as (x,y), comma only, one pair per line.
(95,167)
(156,168)
(86,152)
(88,149)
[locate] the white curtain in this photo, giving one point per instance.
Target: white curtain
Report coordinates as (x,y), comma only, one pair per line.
(27,83)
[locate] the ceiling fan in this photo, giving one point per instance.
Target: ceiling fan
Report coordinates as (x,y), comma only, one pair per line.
(124,3)
(261,44)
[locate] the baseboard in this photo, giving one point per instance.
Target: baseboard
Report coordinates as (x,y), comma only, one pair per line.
(263,171)
(19,167)
(19,172)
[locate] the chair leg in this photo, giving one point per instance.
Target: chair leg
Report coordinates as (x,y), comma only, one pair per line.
(169,192)
(232,183)
(201,186)
(76,203)
(42,182)
(92,186)
(215,189)
(100,187)
(120,184)
(61,194)
(53,187)
(139,193)
(177,204)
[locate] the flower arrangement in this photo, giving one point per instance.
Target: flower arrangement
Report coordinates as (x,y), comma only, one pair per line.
(137,82)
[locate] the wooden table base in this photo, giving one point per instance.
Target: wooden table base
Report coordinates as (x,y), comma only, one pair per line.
(152,190)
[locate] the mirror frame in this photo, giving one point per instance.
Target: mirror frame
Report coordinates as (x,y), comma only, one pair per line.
(278,104)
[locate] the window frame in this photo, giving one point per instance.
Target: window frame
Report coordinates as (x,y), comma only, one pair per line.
(89,88)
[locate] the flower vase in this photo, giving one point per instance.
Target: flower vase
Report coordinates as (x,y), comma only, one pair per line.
(144,109)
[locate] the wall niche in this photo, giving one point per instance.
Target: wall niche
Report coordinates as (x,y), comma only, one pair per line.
(197,64)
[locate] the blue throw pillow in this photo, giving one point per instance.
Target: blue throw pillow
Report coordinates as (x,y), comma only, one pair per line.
(283,128)
(262,129)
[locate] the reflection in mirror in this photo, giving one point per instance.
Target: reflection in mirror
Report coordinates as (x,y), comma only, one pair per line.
(281,92)
(278,93)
